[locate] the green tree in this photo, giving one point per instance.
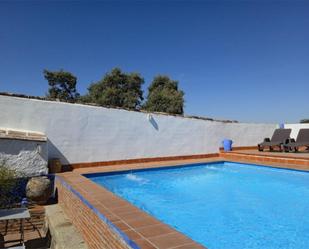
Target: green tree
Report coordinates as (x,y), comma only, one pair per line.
(117,89)
(304,121)
(164,96)
(62,85)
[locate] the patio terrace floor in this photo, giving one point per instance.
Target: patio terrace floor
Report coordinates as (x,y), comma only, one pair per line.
(34,231)
(146,231)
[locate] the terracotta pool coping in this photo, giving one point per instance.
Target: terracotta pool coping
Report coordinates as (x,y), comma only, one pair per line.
(144,230)
(126,162)
(146,165)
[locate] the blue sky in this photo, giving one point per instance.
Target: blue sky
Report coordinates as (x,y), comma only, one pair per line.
(243,60)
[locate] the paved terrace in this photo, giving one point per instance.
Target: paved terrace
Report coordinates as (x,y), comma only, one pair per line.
(143,229)
(146,231)
(35,231)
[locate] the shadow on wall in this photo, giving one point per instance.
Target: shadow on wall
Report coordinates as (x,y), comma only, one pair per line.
(153,122)
(53,152)
(15,146)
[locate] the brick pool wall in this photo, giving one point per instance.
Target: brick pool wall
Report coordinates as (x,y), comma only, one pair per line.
(96,233)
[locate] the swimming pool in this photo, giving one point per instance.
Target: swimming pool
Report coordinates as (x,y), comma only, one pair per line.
(222,205)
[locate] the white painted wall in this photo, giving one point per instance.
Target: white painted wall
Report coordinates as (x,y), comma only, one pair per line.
(80,133)
(295,128)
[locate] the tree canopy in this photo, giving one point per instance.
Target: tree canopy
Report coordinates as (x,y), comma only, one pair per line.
(117,89)
(304,121)
(62,85)
(165,96)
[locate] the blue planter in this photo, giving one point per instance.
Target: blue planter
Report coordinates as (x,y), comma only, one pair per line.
(227,144)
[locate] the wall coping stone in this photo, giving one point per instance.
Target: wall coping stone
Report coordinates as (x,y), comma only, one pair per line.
(114,107)
(7,133)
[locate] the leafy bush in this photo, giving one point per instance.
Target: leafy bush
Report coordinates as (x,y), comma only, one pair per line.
(11,187)
(304,121)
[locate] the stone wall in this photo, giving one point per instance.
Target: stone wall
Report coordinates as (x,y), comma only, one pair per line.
(28,157)
(24,151)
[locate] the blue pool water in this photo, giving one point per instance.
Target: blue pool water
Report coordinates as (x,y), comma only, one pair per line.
(223,205)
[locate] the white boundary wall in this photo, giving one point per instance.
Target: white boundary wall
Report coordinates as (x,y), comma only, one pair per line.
(79,133)
(295,128)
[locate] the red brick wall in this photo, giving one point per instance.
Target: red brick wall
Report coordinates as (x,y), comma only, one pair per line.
(96,233)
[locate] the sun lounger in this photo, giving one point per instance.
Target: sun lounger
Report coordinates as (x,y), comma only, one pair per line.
(279,137)
(301,140)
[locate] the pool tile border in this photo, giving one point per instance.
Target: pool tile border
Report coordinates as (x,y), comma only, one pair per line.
(139,160)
